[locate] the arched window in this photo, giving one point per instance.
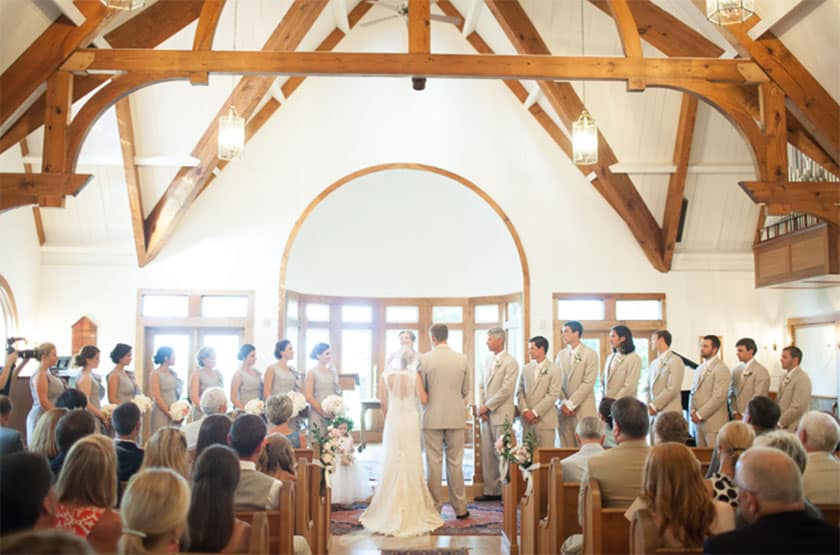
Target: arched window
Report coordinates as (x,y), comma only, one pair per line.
(8,311)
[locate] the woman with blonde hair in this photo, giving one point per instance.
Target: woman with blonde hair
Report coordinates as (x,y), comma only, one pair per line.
(87,491)
(42,440)
(278,458)
(45,387)
(204,377)
(168,448)
(154,512)
(732,440)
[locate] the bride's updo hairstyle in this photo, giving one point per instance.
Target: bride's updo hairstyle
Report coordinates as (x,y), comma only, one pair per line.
(318,350)
(409,333)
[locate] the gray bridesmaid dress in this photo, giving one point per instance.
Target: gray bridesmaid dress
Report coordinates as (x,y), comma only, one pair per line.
(250,386)
(55,387)
(285,381)
(169,392)
(205,382)
(326,384)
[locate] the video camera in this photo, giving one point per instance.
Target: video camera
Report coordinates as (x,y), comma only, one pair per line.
(23,354)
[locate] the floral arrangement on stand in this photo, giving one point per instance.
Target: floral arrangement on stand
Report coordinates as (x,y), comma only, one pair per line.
(329,446)
(334,405)
(179,410)
(298,402)
(143,403)
(521,455)
(255,406)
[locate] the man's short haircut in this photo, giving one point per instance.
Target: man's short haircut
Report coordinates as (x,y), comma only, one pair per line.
(25,480)
(246,434)
(73,426)
(770,474)
(575,326)
(821,431)
(212,400)
(665,335)
(748,344)
(795,352)
(71,399)
(764,412)
(6,406)
(671,426)
(539,342)
(714,340)
(631,416)
(497,332)
(439,331)
(589,427)
(785,441)
(125,418)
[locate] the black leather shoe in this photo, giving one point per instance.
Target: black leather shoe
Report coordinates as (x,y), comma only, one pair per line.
(463,516)
(489,498)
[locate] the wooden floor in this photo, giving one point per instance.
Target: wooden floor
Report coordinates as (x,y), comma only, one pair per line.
(366,542)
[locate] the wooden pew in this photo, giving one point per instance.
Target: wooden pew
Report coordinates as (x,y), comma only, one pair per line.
(281,526)
(644,537)
(704,455)
(512,490)
(307,454)
(831,513)
(534,507)
(320,511)
(604,530)
(304,525)
(561,519)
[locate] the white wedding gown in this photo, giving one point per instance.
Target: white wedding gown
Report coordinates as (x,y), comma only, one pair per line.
(402,505)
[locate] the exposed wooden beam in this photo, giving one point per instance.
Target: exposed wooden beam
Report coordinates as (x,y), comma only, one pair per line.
(20,189)
(419,35)
(56,121)
(125,127)
(629,34)
(36,210)
(676,184)
(342,21)
(204,34)
(820,198)
(799,137)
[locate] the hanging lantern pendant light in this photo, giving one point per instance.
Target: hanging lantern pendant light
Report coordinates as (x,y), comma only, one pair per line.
(729,12)
(231,135)
(584,129)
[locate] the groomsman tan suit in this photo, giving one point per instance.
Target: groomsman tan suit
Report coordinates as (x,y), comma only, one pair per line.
(748,380)
(621,375)
(539,389)
(446,375)
(665,378)
(708,400)
(579,368)
(794,397)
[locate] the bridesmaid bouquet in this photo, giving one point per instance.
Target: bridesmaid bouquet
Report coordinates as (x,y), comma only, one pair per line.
(179,410)
(107,411)
(334,405)
(255,406)
(329,441)
(143,403)
(298,402)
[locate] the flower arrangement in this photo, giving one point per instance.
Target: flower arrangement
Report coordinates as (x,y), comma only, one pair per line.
(255,406)
(179,410)
(108,410)
(329,442)
(508,450)
(334,405)
(298,402)
(143,402)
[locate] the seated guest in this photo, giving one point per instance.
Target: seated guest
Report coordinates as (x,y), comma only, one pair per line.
(46,542)
(605,415)
(167,448)
(213,526)
(126,421)
(154,512)
(28,498)
(732,440)
(619,470)
(819,432)
(72,427)
(43,436)
(670,426)
(256,491)
(278,411)
(87,491)
(10,440)
(762,413)
(676,500)
(278,458)
(213,401)
(71,399)
(214,431)
(770,499)
(589,435)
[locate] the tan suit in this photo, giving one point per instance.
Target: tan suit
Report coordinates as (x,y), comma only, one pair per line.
(665,378)
(794,398)
(619,473)
(748,380)
(621,375)
(578,369)
(539,389)
(708,400)
(496,390)
(446,375)
(821,479)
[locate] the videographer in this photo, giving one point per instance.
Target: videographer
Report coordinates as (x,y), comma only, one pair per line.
(9,372)
(44,386)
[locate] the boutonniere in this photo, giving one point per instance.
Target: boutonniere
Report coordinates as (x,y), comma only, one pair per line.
(578,358)
(498,362)
(618,358)
(747,373)
(544,371)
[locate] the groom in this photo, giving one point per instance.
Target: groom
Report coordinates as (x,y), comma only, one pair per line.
(446,375)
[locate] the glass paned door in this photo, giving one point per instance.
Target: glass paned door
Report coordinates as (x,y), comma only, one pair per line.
(226,343)
(357,358)
(181,342)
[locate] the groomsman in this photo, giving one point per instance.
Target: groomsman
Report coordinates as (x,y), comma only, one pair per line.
(708,394)
(579,368)
(539,389)
(665,377)
(749,379)
(795,391)
(623,367)
(496,390)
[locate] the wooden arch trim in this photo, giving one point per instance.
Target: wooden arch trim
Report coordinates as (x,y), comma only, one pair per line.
(482,194)
(6,291)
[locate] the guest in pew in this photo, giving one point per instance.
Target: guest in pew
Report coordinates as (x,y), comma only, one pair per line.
(167,448)
(818,432)
(256,491)
(771,500)
(154,512)
(10,440)
(732,440)
(45,541)
(87,491)
(72,399)
(126,422)
(278,412)
(213,401)
(28,498)
(213,526)
(762,414)
(72,427)
(604,414)
(214,431)
(278,458)
(122,387)
(246,384)
(589,434)
(670,426)
(42,440)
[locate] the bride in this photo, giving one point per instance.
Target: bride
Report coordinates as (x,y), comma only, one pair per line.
(402,505)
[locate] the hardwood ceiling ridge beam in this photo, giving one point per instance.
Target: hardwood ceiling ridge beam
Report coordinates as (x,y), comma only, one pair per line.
(208,20)
(419,29)
(628,32)
(20,189)
(820,198)
(36,210)
(125,128)
(676,183)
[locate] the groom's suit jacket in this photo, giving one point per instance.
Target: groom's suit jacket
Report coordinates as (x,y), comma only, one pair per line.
(497,386)
(446,375)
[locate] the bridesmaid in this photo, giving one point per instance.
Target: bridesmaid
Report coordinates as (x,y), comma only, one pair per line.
(247,381)
(45,387)
(121,384)
(281,378)
(204,377)
(89,383)
(321,381)
(164,388)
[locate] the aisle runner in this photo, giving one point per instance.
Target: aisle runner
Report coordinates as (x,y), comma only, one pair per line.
(485,520)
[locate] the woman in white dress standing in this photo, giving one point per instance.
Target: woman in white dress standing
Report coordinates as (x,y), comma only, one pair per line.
(402,505)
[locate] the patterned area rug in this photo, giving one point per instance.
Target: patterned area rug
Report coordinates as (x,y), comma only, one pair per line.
(485,520)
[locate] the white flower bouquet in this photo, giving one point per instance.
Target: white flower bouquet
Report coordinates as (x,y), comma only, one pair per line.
(107,411)
(298,402)
(255,406)
(143,402)
(179,410)
(329,441)
(334,405)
